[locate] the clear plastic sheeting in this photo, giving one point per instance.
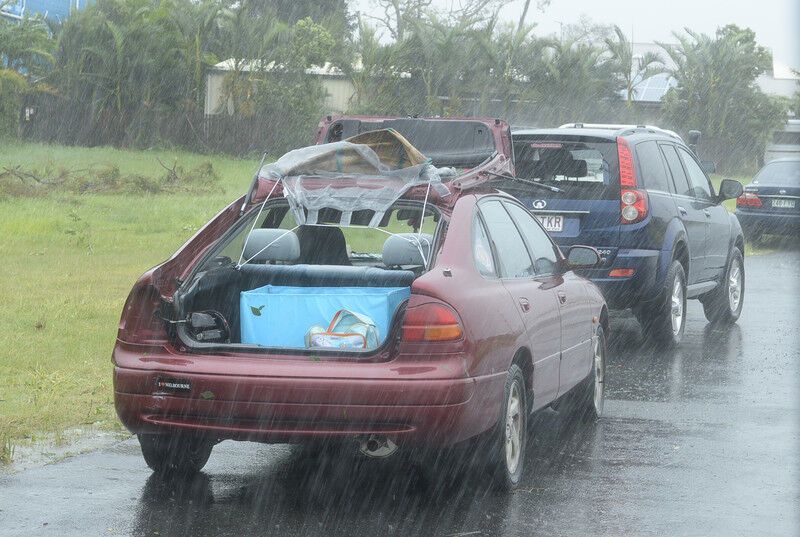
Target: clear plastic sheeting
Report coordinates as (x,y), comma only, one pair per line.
(369,171)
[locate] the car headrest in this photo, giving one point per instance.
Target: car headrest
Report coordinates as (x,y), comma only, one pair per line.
(271,245)
(407,249)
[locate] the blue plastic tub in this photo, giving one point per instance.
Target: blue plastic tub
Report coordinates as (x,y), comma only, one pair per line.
(279,316)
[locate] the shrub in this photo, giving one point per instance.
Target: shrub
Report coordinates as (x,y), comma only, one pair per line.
(12,88)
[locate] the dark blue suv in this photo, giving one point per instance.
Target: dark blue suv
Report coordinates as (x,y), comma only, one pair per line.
(640,196)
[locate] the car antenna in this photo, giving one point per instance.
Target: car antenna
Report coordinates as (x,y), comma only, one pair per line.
(525,181)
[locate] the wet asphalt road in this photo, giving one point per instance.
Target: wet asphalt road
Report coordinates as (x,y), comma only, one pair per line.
(703,440)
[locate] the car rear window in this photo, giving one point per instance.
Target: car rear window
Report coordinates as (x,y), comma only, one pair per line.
(780,174)
(584,169)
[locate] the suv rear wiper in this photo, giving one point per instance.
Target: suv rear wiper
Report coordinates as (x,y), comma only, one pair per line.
(526,182)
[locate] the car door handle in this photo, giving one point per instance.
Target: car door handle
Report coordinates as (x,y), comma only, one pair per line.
(524,305)
(562,297)
(682,210)
(707,213)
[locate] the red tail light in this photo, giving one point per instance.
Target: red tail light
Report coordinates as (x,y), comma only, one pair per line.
(141,321)
(627,172)
(633,201)
(431,322)
(748,199)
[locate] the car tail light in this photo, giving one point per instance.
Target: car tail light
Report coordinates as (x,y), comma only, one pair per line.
(633,201)
(432,321)
(141,321)
(748,199)
(621,272)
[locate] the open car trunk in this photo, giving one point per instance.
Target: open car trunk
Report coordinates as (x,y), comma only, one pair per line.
(274,306)
(329,266)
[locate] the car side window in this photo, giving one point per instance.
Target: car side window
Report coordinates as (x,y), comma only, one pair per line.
(482,249)
(676,170)
(701,187)
(513,257)
(542,248)
(651,166)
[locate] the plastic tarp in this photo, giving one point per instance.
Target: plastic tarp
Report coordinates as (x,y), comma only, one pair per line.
(369,171)
(280,316)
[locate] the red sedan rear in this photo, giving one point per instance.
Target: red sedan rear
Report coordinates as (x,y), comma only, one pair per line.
(494,324)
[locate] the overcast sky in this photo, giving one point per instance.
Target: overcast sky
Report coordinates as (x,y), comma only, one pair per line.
(776,22)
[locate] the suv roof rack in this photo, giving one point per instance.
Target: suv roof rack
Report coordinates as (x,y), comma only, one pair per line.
(621,128)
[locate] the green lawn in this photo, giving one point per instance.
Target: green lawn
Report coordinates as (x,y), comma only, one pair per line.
(72,260)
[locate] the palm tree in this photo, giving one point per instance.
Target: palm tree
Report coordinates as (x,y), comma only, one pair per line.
(629,68)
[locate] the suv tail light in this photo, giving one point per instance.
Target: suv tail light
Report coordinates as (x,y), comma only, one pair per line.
(432,321)
(633,201)
(140,321)
(748,199)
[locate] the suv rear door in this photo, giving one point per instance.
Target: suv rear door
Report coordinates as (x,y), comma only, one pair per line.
(690,211)
(587,170)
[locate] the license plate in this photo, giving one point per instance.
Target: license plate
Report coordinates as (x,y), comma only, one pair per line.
(783,204)
(551,222)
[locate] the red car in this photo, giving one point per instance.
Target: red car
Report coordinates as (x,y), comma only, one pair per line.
(489,321)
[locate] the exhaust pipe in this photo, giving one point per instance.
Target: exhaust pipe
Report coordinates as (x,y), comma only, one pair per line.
(376,446)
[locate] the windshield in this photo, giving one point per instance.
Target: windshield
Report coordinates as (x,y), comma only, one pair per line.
(583,170)
(779,174)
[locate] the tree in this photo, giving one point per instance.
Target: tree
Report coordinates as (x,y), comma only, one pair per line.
(631,70)
(717,93)
(12,88)
(202,38)
(26,46)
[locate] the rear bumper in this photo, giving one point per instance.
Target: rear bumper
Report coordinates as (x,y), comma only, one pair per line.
(296,409)
(777,223)
(625,292)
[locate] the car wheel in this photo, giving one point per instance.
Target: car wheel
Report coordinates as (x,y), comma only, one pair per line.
(175,454)
(594,389)
(507,448)
(665,321)
(724,304)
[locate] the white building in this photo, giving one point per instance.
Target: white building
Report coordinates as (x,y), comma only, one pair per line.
(338,88)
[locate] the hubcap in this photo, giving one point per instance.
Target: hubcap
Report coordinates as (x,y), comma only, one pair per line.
(735,286)
(513,429)
(599,386)
(677,306)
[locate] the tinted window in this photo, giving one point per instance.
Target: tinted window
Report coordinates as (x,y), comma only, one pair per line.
(701,188)
(651,167)
(513,256)
(482,249)
(679,179)
(786,173)
(786,138)
(542,248)
(585,170)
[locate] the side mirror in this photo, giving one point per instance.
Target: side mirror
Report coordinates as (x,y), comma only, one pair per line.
(708,166)
(582,257)
(729,189)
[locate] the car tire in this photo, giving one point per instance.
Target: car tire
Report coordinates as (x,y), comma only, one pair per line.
(593,392)
(724,304)
(175,454)
(508,441)
(664,321)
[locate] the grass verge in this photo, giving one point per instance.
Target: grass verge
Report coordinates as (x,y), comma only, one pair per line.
(71,261)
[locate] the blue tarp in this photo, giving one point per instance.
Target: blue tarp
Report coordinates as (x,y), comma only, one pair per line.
(280,316)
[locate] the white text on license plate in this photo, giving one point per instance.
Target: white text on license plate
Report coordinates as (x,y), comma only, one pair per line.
(783,204)
(551,222)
